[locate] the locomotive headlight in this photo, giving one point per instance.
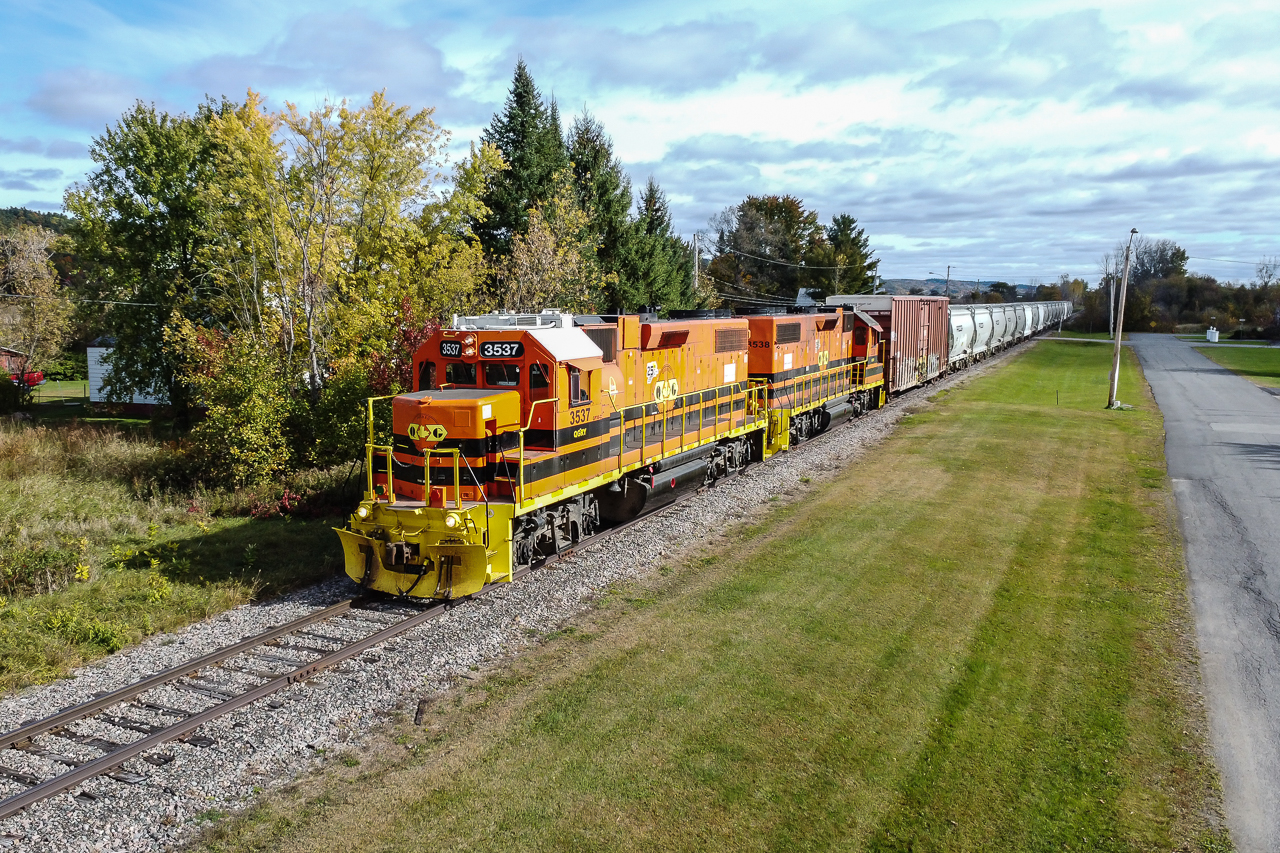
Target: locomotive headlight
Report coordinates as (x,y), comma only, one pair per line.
(452,520)
(362,511)
(469,351)
(469,340)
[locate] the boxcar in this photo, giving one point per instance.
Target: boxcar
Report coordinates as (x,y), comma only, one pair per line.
(916,341)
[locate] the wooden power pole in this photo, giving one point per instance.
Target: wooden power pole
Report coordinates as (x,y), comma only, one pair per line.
(1124,287)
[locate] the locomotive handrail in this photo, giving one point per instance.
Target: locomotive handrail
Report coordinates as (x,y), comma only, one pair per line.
(455,452)
(369,447)
(523,430)
(391,489)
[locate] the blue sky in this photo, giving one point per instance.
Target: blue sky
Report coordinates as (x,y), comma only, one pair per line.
(1009,140)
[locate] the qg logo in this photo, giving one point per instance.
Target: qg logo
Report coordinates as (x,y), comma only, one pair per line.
(664,391)
(427,432)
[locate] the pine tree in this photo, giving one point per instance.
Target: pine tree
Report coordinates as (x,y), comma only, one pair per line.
(527,134)
(847,249)
(655,265)
(603,188)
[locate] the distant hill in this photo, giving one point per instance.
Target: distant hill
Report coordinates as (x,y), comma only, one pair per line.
(12,217)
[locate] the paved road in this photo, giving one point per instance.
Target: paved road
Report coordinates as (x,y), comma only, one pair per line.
(1223,447)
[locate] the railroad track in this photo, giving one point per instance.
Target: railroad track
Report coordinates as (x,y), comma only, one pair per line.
(271,661)
(275,659)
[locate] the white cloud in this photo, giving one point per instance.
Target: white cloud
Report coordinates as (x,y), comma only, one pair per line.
(1024,139)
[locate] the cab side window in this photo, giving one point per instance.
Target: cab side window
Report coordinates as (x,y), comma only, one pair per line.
(579,386)
(427,376)
(539,381)
(502,375)
(860,336)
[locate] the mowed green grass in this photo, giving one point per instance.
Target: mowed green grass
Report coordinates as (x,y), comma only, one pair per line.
(972,639)
(1260,366)
(61,391)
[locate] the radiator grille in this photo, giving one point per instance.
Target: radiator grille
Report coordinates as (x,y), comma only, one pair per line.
(731,340)
(788,333)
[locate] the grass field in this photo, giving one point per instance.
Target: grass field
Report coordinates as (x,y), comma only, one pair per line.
(61,392)
(95,555)
(976,638)
(1261,367)
(1248,342)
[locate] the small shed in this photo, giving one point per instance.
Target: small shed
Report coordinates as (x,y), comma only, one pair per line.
(98,367)
(11,360)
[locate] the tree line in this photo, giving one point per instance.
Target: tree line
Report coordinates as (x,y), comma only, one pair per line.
(264,271)
(1164,294)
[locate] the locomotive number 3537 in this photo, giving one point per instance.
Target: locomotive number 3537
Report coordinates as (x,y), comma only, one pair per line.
(501,349)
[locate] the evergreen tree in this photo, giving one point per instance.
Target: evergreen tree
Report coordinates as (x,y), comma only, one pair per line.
(847,249)
(604,190)
(655,265)
(527,135)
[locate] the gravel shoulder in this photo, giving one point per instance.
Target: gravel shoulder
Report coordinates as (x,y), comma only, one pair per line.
(272,743)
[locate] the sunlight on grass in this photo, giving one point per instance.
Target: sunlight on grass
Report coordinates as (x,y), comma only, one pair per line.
(1260,366)
(95,553)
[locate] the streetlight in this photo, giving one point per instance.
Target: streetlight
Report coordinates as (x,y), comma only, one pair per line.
(1124,287)
(948,281)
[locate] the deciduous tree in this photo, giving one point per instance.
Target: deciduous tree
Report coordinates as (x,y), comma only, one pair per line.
(36,319)
(554,264)
(141,225)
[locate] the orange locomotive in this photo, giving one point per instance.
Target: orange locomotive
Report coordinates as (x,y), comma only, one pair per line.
(527,432)
(817,365)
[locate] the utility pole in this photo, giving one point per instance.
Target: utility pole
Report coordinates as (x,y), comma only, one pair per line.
(948,282)
(696,264)
(1111,299)
(1119,332)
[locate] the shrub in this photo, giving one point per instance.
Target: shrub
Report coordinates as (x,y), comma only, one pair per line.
(68,367)
(13,397)
(73,625)
(338,420)
(241,439)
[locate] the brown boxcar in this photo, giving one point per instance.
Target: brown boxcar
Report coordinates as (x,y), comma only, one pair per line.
(916,341)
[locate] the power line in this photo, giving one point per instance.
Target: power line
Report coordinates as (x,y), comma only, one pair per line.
(1222,260)
(766,300)
(786,264)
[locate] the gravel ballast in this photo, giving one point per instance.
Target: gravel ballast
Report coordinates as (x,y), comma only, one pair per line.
(164,802)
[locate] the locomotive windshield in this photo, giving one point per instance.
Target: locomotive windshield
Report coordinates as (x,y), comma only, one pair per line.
(501,375)
(460,373)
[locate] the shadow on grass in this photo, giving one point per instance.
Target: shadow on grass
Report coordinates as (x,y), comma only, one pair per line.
(269,556)
(161,587)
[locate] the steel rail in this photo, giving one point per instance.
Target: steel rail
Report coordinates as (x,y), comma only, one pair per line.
(44,725)
(97,766)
